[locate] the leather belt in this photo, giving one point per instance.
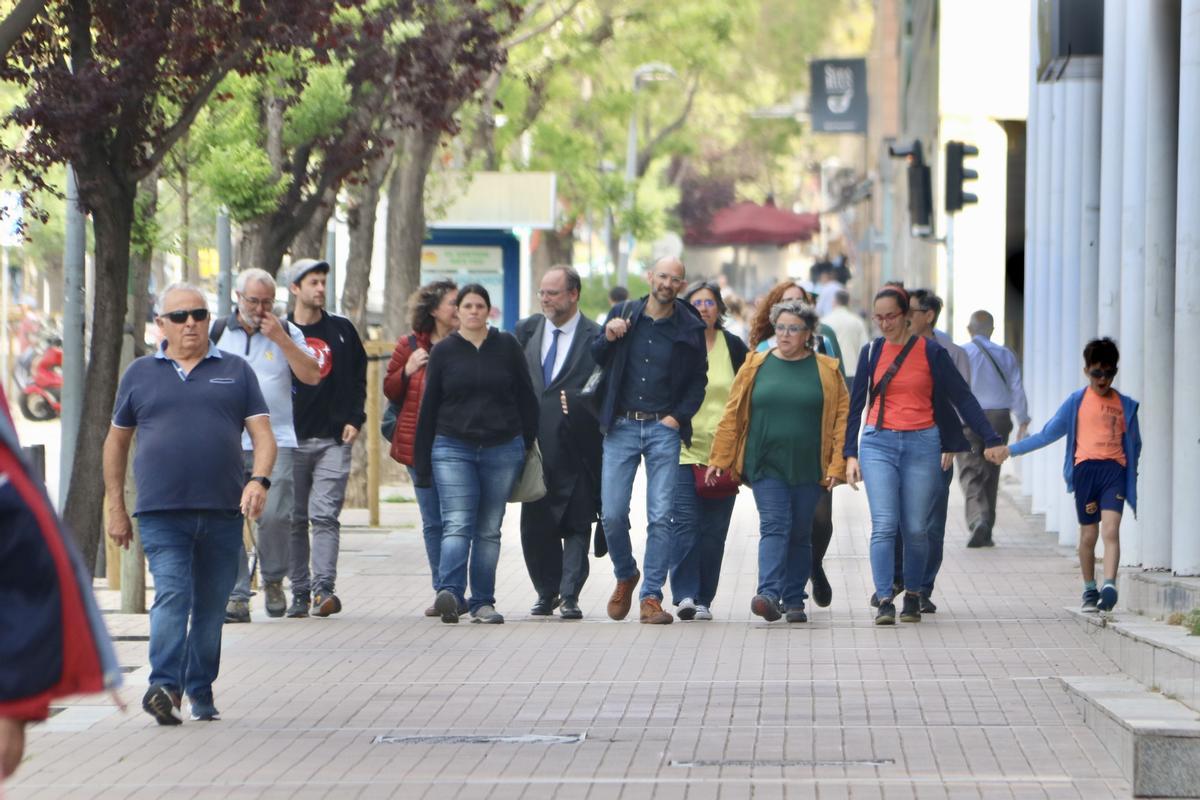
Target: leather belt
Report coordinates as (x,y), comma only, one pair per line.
(644,416)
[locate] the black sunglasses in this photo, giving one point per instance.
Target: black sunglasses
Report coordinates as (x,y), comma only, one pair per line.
(180,317)
(1103,373)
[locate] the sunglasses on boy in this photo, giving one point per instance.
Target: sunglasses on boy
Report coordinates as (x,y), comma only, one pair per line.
(1103,373)
(181,316)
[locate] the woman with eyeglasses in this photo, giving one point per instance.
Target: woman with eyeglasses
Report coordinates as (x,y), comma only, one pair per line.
(434,316)
(914,397)
(762,337)
(479,418)
(700,513)
(781,432)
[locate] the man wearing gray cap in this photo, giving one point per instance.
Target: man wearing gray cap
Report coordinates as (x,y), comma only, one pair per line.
(328,417)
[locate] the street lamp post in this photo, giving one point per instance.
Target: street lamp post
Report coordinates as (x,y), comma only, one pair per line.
(653,71)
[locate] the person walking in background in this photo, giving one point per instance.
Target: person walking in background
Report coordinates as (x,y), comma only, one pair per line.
(478,420)
(276,352)
(996,384)
(328,417)
(188,404)
(762,337)
(781,432)
(556,530)
(655,359)
(913,397)
(433,315)
(616,296)
(849,329)
(1100,463)
(700,513)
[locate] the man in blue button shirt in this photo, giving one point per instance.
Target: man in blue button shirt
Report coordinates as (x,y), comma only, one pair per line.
(657,367)
(188,404)
(996,383)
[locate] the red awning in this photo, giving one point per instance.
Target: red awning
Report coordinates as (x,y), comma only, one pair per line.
(750,223)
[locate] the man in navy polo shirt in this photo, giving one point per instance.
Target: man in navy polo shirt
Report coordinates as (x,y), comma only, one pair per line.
(188,404)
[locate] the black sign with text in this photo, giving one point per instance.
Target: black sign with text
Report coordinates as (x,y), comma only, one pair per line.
(838,100)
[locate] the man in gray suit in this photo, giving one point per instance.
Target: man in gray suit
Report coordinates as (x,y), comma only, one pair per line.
(556,530)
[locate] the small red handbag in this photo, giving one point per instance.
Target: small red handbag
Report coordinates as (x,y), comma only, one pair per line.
(725,486)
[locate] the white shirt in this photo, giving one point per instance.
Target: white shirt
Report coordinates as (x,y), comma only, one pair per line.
(826,294)
(852,335)
(564,341)
(959,356)
(274,375)
(996,389)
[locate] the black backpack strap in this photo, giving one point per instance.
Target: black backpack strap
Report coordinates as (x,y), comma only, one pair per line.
(218,328)
(880,391)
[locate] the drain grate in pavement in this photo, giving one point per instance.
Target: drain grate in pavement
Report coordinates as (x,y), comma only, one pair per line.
(532,738)
(783,762)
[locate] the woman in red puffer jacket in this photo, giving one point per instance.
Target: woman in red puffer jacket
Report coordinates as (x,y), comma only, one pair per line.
(434,315)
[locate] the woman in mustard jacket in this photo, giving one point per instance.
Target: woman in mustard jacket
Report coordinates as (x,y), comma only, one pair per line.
(782,432)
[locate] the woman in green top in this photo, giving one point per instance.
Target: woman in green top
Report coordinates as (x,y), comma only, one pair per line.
(700,524)
(782,432)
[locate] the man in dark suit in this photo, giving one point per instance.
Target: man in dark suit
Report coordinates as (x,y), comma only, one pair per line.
(556,530)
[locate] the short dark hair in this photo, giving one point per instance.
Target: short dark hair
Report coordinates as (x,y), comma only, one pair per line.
(927,301)
(618,294)
(574,283)
(473,288)
(841,298)
(1101,351)
(424,302)
(713,287)
(894,290)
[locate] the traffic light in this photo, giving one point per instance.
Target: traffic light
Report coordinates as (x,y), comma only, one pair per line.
(920,187)
(956,174)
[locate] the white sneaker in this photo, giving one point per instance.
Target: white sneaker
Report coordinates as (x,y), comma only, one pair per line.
(686,609)
(488,615)
(702,613)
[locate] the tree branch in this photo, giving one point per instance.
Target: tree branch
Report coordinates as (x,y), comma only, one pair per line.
(647,152)
(558,17)
(17,22)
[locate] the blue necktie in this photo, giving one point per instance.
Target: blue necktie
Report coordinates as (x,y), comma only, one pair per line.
(551,357)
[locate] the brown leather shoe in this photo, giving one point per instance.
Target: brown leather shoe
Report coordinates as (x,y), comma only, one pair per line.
(622,597)
(653,614)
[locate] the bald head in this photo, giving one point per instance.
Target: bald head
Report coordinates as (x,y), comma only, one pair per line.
(982,324)
(670,264)
(666,279)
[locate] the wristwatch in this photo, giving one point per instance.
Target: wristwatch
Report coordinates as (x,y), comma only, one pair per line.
(265,481)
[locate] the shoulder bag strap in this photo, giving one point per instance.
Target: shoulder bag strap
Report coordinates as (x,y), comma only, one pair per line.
(880,391)
(991,358)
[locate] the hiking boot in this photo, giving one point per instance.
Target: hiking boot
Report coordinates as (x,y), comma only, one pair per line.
(622,597)
(299,607)
(446,605)
(911,610)
(276,601)
(822,592)
(886,614)
(1091,601)
(1108,597)
(927,606)
(653,614)
(325,603)
(544,607)
(162,704)
(796,615)
(703,614)
(487,615)
(237,611)
(686,609)
(980,537)
(203,710)
(570,609)
(766,607)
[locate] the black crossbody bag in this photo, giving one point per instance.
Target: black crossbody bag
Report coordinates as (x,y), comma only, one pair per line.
(880,391)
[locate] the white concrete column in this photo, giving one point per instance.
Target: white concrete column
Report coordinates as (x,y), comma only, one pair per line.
(1185,477)
(1050,379)
(1133,230)
(1024,467)
(1036,370)
(1065,343)
(1089,205)
(1158,354)
(1112,153)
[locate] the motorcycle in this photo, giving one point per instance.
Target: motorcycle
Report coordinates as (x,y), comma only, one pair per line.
(38,375)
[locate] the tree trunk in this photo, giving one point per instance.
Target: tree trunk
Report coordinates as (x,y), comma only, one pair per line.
(140,267)
(190,268)
(310,242)
(112,220)
(406,226)
(361,216)
(555,247)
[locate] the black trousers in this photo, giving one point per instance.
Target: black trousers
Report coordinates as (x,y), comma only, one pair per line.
(556,553)
(822,529)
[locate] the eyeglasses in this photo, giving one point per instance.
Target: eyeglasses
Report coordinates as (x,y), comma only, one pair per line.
(888,317)
(263,302)
(704,302)
(790,330)
(666,276)
(549,292)
(1103,373)
(180,317)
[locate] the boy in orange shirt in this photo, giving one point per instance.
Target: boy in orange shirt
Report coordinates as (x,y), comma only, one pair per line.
(1100,467)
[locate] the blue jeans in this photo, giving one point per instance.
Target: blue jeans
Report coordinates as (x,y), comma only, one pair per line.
(626,443)
(431,524)
(193,556)
(698,530)
(785,516)
(902,471)
(473,484)
(937,532)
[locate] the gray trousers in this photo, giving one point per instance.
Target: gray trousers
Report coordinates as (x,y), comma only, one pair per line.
(273,527)
(980,478)
(321,469)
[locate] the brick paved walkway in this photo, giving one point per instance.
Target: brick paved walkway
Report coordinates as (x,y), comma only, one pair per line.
(963,705)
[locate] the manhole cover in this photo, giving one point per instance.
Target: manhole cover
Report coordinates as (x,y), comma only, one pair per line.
(783,762)
(571,738)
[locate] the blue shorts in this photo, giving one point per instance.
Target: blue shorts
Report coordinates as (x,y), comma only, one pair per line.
(1099,486)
